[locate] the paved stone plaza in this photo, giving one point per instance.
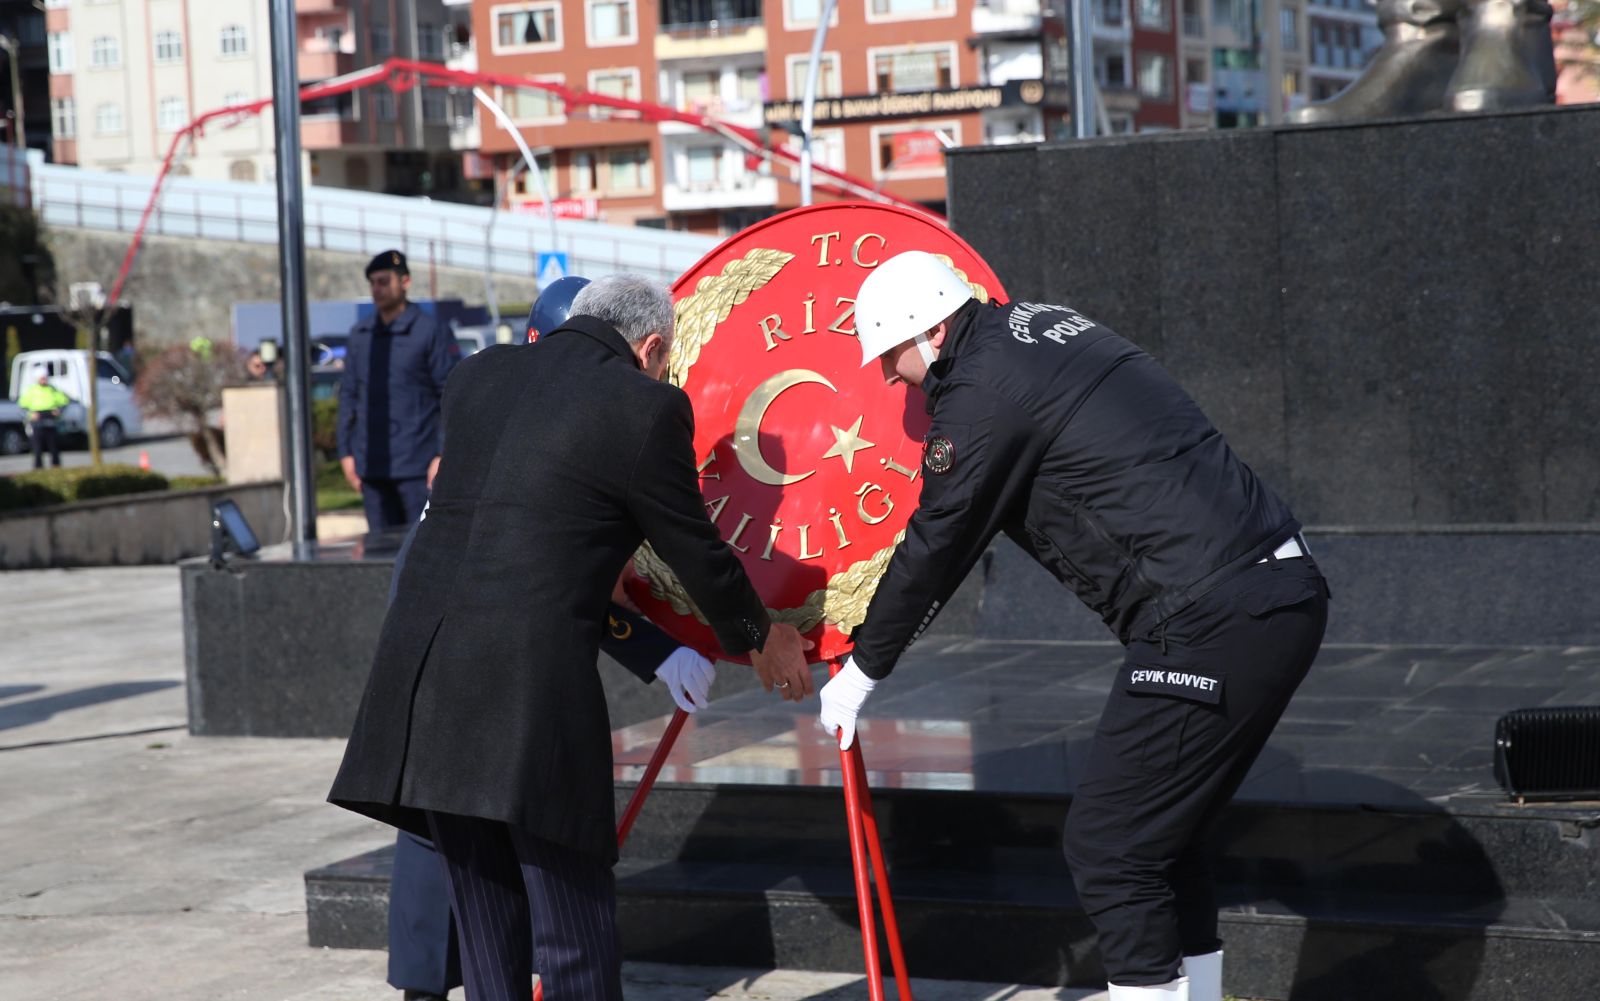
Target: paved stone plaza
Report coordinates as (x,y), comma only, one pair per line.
(142,863)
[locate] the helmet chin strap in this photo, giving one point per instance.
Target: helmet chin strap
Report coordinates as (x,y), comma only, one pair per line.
(925,349)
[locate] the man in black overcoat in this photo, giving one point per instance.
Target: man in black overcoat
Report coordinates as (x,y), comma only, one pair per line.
(484,725)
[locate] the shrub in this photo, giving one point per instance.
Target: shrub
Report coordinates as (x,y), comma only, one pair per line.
(194,482)
(325,427)
(43,487)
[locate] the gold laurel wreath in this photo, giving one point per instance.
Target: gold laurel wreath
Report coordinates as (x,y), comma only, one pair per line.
(843,603)
(713,299)
(981,293)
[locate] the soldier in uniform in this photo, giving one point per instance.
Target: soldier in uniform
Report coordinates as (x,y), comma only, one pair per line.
(394,373)
(1084,451)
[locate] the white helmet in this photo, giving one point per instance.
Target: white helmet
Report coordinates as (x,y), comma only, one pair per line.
(903,298)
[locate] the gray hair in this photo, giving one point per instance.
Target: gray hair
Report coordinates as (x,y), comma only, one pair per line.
(637,306)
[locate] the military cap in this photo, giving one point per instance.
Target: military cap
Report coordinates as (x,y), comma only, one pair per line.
(389,260)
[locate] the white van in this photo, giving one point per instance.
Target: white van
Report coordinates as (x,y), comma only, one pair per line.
(68,371)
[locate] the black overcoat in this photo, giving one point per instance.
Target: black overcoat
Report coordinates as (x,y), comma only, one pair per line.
(484,699)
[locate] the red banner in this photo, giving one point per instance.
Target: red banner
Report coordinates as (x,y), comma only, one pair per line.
(810,465)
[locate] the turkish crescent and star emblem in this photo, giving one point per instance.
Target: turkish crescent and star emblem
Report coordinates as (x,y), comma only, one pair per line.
(809,464)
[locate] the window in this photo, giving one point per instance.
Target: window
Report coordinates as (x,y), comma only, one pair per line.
(235,41)
(383,104)
(1111,69)
(827,75)
(434,105)
(108,120)
(234,98)
(1152,14)
(63,118)
(242,170)
(798,13)
(622,83)
(169,47)
(1108,13)
(611,22)
(703,167)
(105,52)
(701,90)
(583,179)
(332,37)
(1155,76)
(750,86)
(629,170)
(1291,85)
(172,114)
(529,26)
(908,8)
(913,69)
(912,150)
(60,46)
(382,41)
(1194,19)
(1194,70)
(1289,25)
(526,106)
(430,41)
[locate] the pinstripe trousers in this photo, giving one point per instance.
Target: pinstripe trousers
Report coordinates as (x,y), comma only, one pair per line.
(519,900)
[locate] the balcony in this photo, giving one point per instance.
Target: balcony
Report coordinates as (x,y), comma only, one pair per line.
(319,60)
(747,190)
(709,17)
(1011,17)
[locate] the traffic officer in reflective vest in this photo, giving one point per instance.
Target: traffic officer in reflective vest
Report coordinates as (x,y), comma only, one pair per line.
(1084,451)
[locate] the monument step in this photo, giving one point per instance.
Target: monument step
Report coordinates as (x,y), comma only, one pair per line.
(1020,928)
(1482,847)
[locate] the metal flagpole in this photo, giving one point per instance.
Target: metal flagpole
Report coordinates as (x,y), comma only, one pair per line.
(808,106)
(1080,47)
(292,271)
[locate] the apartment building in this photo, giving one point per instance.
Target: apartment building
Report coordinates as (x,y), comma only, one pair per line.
(1250,62)
(899,82)
(126,75)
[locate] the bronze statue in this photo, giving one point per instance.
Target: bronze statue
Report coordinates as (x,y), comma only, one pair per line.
(1450,55)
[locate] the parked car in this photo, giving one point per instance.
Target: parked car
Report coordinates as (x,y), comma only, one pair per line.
(68,371)
(13,429)
(472,339)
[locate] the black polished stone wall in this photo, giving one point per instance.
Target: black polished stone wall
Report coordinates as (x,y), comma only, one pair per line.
(1393,322)
(281,647)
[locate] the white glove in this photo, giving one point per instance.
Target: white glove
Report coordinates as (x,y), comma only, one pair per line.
(842,698)
(688,676)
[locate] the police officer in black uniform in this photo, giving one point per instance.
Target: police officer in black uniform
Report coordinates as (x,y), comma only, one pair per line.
(424,959)
(1084,451)
(395,367)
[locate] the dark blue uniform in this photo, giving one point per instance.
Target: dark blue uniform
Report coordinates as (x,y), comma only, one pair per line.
(1076,444)
(394,377)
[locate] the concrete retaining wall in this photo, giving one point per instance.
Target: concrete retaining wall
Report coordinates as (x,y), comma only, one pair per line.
(186,288)
(139,529)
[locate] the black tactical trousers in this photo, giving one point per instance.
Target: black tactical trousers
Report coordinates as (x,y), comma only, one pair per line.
(1187,717)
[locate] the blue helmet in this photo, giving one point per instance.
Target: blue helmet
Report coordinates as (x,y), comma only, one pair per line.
(553,306)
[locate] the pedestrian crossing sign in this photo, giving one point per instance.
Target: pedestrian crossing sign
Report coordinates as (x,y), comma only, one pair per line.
(552,267)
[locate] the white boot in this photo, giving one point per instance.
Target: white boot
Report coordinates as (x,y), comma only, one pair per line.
(1205,976)
(1177,990)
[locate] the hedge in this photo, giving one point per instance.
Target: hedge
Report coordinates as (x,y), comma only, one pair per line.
(43,487)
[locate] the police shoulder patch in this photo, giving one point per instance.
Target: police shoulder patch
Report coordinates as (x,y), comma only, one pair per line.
(939,455)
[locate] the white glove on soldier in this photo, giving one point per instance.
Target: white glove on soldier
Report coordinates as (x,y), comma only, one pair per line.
(688,676)
(842,698)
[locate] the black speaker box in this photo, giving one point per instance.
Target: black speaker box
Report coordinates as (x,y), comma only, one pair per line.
(1552,752)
